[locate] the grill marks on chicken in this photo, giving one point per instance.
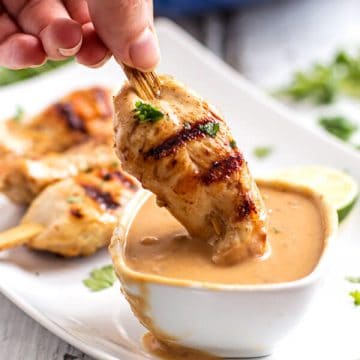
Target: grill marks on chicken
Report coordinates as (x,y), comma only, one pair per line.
(82,116)
(73,121)
(80,109)
(77,223)
(222,169)
(76,118)
(24,178)
(104,198)
(172,144)
(62,164)
(188,160)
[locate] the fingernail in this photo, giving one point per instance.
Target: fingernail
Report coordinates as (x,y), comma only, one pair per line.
(144,51)
(38,65)
(71,51)
(101,62)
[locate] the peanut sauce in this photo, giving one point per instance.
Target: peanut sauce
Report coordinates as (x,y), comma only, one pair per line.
(295,233)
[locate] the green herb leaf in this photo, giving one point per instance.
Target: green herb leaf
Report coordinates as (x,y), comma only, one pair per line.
(147,113)
(262,152)
(324,82)
(74,199)
(210,128)
(356,296)
(8,77)
(354,280)
(233,144)
(319,84)
(101,278)
(338,126)
(19,114)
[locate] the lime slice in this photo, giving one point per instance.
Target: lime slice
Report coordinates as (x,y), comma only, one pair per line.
(339,188)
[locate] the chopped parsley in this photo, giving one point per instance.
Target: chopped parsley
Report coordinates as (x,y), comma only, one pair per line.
(19,114)
(262,152)
(356,297)
(210,128)
(352,279)
(338,126)
(74,199)
(323,83)
(233,144)
(101,278)
(318,84)
(147,113)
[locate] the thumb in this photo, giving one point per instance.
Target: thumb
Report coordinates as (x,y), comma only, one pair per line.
(126,28)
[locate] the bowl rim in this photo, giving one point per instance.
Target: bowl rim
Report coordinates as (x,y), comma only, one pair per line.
(118,242)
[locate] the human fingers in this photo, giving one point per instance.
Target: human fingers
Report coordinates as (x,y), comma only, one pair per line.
(126,27)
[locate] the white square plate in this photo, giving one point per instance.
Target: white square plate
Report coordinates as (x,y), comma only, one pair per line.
(50,289)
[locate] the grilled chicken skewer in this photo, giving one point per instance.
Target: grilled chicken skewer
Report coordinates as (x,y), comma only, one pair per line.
(76,216)
(23,178)
(81,115)
(180,148)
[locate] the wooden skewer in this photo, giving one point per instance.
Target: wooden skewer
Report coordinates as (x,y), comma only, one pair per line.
(146,84)
(19,235)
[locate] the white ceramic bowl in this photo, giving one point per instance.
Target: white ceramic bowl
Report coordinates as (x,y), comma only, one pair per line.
(223,320)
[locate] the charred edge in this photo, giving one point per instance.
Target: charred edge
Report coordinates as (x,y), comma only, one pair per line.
(76,213)
(102,98)
(103,198)
(73,121)
(171,145)
(246,208)
(128,182)
(222,169)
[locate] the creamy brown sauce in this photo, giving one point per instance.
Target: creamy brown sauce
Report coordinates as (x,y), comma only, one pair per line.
(172,352)
(295,233)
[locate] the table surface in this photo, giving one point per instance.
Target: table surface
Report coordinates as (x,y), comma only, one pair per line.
(265,43)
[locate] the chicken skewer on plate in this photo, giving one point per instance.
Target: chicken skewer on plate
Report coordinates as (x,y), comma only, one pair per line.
(76,216)
(81,115)
(180,148)
(23,178)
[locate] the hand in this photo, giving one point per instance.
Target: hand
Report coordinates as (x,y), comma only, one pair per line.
(32,31)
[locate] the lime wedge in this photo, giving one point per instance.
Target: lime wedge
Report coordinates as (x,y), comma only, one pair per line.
(339,188)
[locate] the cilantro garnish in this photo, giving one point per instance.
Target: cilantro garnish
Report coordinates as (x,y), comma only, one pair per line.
(322,83)
(147,113)
(352,279)
(262,151)
(338,126)
(101,278)
(210,128)
(233,144)
(356,297)
(319,84)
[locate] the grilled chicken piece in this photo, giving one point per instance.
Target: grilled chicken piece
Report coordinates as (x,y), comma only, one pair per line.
(24,178)
(79,214)
(81,115)
(190,161)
